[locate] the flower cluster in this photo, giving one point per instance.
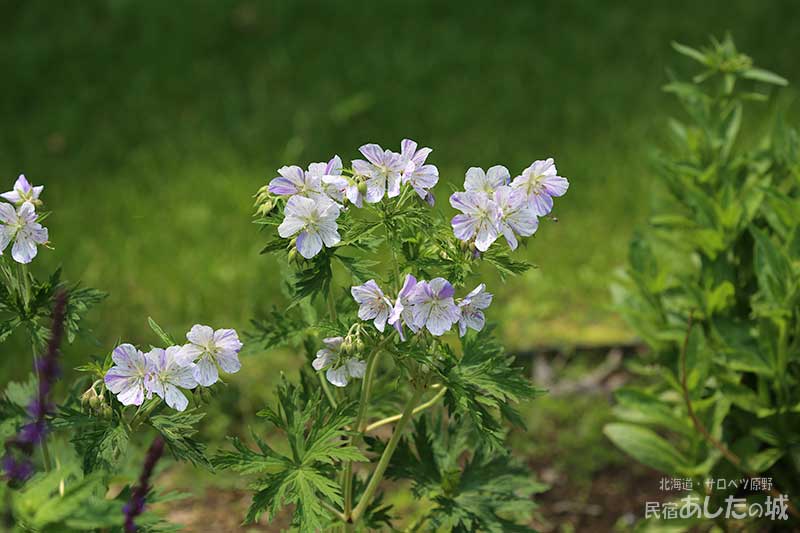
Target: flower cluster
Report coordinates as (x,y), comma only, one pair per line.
(422,304)
(18,221)
(419,305)
(164,372)
(492,204)
(317,196)
(18,467)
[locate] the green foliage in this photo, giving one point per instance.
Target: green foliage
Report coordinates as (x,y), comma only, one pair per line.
(713,286)
(483,386)
(470,488)
(306,476)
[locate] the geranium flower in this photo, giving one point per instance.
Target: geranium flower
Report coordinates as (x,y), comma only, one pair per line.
(478,220)
(126,378)
(373,304)
(339,372)
(325,172)
(294,181)
(472,306)
(433,306)
(476,180)
(23,192)
(168,371)
(381,170)
(20,226)
(517,216)
(402,312)
(211,350)
(541,183)
(415,172)
(315,220)
(340,187)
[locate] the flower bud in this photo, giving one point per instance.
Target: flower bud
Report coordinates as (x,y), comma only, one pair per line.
(362,188)
(94,402)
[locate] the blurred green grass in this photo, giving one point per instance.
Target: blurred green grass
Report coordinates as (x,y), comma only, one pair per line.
(152,124)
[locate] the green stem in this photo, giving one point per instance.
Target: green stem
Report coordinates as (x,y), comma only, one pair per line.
(418,409)
(327,390)
(360,420)
(139,417)
(383,463)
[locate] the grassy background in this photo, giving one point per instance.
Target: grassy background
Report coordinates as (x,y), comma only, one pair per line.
(152,124)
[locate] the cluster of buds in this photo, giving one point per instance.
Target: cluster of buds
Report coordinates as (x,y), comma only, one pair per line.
(96,402)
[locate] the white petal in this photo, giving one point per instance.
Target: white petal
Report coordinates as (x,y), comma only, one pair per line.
(337,376)
(201,335)
(309,243)
(206,373)
(356,368)
(175,398)
(229,362)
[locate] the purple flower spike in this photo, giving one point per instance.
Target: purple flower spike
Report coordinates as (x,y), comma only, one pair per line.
(136,504)
(23,192)
(541,183)
(18,466)
(433,306)
(374,305)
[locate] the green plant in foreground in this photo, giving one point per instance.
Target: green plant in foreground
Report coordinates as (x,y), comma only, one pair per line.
(713,287)
(357,235)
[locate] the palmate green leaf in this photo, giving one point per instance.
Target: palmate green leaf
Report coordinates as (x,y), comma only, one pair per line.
(484,384)
(178,430)
(471,488)
(278,328)
(306,477)
(100,442)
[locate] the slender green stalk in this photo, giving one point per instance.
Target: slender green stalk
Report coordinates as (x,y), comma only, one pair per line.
(383,463)
(327,389)
(418,409)
(366,385)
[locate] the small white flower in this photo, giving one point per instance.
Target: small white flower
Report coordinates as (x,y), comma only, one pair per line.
(168,371)
(23,192)
(338,371)
(541,183)
(373,304)
(476,180)
(472,309)
(211,350)
(126,378)
(314,220)
(21,226)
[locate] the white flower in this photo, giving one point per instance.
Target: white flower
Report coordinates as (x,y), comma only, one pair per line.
(420,176)
(472,309)
(23,192)
(517,216)
(541,183)
(126,378)
(373,304)
(314,220)
(21,227)
(476,180)
(211,350)
(168,371)
(433,305)
(339,372)
(478,220)
(381,170)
